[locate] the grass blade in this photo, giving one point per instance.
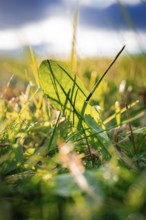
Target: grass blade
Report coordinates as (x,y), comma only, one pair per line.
(99,81)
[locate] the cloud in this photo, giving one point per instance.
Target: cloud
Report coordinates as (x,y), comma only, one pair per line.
(114,17)
(107,43)
(52,38)
(50,32)
(48,27)
(17,13)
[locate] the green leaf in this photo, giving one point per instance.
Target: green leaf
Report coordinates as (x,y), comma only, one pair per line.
(66,91)
(94,126)
(100,133)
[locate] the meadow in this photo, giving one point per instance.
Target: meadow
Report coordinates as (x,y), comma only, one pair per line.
(72,138)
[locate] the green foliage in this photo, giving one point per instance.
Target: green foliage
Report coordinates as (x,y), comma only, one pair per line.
(77,163)
(66,90)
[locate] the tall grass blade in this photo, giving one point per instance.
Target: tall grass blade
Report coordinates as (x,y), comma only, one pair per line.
(99,81)
(106,121)
(34,66)
(73,56)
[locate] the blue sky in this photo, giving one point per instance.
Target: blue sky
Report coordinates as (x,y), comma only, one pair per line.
(104,26)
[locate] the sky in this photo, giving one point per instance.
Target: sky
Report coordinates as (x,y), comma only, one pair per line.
(104,26)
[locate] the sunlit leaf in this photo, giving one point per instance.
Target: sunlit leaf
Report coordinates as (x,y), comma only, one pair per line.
(65,90)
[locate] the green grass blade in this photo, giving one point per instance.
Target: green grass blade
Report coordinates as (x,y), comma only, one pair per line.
(73,56)
(99,81)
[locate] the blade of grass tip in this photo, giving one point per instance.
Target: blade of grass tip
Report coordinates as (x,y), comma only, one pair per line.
(110,118)
(118,113)
(7,86)
(28,102)
(73,57)
(34,66)
(99,81)
(141,114)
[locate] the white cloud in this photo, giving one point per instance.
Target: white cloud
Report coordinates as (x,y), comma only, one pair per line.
(55,31)
(56,34)
(108,43)
(8,40)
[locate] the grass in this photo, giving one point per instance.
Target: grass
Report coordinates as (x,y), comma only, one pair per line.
(58,162)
